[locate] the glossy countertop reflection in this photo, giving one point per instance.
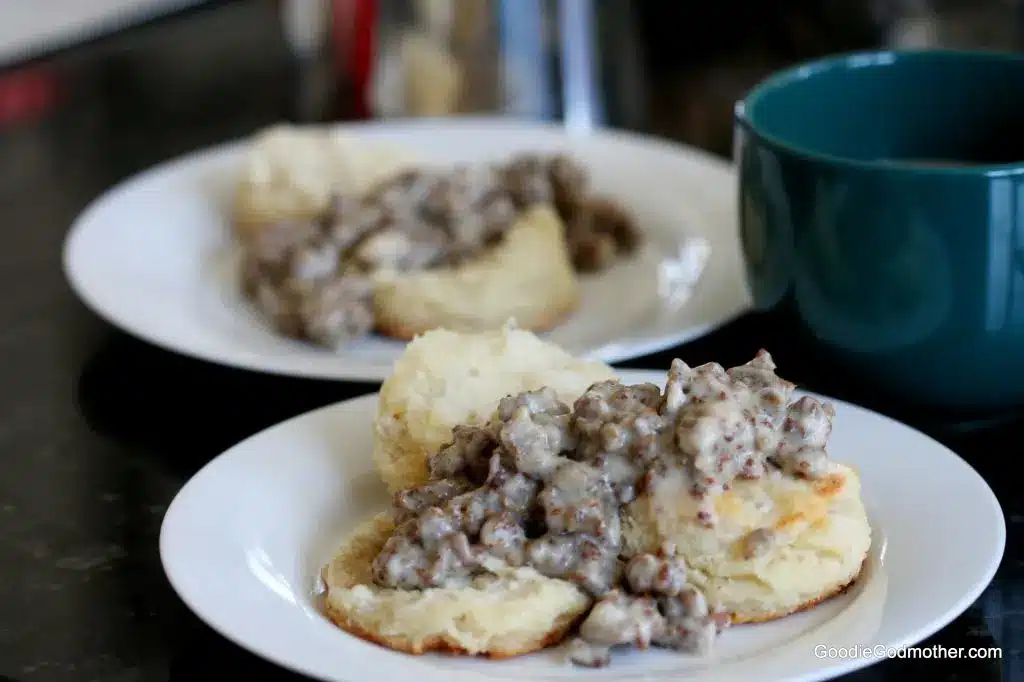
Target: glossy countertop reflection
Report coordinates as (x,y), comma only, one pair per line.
(98,431)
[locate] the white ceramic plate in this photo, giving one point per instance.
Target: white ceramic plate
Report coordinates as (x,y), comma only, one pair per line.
(32,29)
(244,540)
(154,255)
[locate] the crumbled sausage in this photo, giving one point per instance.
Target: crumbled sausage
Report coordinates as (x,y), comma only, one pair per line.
(471,509)
(554,555)
(590,251)
(273,243)
(569,184)
(504,537)
(400,247)
(542,485)
(805,431)
(614,620)
(598,231)
(739,423)
(467,454)
(578,499)
(649,574)
(313,262)
(337,311)
(279,305)
(585,560)
(620,431)
(623,619)
(527,180)
(420,497)
(516,492)
(616,419)
(690,623)
(609,218)
(535,431)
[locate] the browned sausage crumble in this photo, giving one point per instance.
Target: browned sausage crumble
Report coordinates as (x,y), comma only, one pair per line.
(542,485)
(311,278)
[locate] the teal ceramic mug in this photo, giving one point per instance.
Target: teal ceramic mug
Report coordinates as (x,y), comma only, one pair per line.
(882,212)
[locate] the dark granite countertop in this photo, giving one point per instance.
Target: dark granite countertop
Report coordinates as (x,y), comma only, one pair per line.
(98,431)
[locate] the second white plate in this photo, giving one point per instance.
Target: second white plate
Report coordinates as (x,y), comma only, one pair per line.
(154,255)
(244,540)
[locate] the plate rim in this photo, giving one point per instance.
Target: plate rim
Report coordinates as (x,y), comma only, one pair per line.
(612,352)
(838,668)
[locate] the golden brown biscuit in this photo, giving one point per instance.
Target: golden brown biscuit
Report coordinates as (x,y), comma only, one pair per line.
(514,612)
(816,532)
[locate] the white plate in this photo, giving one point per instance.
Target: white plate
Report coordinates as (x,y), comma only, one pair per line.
(153,255)
(32,29)
(243,541)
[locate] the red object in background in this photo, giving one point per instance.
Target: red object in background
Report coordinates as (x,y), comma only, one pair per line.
(26,94)
(354,30)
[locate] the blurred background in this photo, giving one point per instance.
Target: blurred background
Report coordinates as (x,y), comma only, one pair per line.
(91,90)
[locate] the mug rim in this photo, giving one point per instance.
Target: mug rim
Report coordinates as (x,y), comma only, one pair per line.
(856,60)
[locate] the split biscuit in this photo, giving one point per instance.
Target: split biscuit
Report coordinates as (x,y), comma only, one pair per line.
(511,612)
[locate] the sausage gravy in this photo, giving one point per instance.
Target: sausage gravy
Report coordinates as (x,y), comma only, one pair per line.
(542,484)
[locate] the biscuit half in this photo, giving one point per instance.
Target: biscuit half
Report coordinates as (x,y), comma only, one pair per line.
(446,378)
(516,612)
(820,537)
(527,276)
